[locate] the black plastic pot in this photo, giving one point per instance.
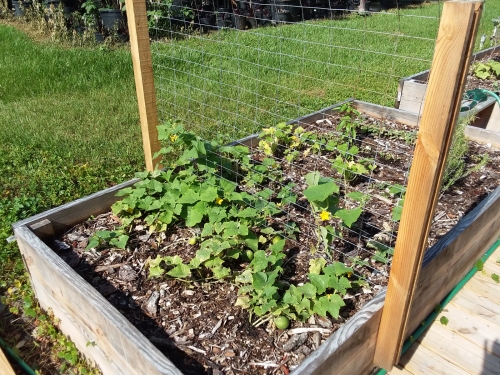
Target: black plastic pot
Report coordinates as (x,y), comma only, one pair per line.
(20,6)
(99,37)
(239,22)
(223,18)
(263,14)
(52,3)
(112,19)
(285,11)
(207,21)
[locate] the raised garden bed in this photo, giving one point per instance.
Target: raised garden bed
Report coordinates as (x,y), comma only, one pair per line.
(486,125)
(118,347)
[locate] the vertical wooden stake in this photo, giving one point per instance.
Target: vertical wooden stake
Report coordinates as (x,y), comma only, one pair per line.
(454,45)
(144,81)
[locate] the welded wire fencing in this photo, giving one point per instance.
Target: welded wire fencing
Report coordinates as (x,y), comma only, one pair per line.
(227,71)
(249,65)
(285,158)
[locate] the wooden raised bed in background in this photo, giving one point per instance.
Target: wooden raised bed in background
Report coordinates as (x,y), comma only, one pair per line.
(411,89)
(485,127)
(120,348)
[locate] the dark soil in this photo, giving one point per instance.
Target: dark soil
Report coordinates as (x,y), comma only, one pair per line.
(197,325)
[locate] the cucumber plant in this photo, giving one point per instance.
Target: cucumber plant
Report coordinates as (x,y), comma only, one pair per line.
(207,186)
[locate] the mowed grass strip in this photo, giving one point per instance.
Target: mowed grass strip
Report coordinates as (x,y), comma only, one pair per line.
(69,126)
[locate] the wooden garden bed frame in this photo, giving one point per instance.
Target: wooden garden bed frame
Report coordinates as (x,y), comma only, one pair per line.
(375,334)
(120,348)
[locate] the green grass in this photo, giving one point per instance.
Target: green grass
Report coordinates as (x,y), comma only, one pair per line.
(68,125)
(69,122)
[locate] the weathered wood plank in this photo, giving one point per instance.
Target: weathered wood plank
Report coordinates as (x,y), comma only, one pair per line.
(421,361)
(5,367)
(392,114)
(398,370)
(478,305)
(458,250)
(144,79)
(86,316)
(494,120)
(487,291)
(483,136)
(43,229)
(474,329)
(450,64)
(341,356)
(413,96)
(350,350)
(75,212)
(458,350)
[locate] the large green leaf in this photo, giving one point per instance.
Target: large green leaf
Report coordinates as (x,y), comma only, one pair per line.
(316,265)
(340,285)
(319,281)
(495,66)
(207,230)
(252,241)
(308,290)
(189,197)
(193,217)
(318,193)
(259,280)
(312,178)
(330,304)
(209,194)
(259,261)
(247,212)
(349,217)
(221,272)
(230,229)
(181,271)
(203,255)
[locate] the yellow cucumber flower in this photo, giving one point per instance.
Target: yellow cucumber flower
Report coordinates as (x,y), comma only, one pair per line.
(325,215)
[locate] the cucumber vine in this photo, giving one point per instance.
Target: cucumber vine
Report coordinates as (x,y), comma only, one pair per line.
(220,191)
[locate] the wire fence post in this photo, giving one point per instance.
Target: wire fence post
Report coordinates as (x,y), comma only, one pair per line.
(454,44)
(144,81)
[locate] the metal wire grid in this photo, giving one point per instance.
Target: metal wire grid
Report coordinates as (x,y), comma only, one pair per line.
(224,83)
(364,229)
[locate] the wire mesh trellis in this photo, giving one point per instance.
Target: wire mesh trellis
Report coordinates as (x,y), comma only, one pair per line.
(331,183)
(245,79)
(229,70)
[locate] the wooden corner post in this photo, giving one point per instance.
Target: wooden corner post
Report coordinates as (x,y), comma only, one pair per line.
(454,44)
(144,81)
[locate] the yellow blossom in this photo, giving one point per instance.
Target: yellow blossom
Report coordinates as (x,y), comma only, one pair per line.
(219,200)
(324,215)
(173,137)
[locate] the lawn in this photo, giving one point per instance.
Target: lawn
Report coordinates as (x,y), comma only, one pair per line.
(69,123)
